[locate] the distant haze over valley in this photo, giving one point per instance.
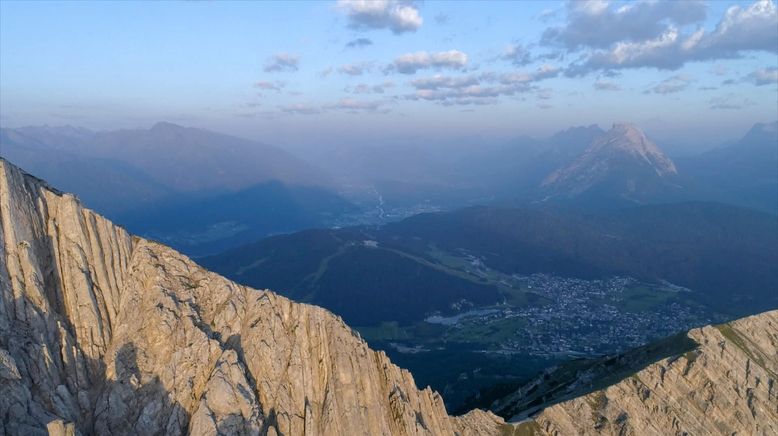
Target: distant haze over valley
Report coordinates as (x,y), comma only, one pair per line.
(389,217)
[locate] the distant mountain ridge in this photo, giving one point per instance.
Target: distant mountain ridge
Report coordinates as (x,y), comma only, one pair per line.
(724,253)
(745,172)
(184,159)
(189,187)
(622,162)
(103,332)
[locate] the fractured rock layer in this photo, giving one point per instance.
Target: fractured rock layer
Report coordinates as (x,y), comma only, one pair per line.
(105,333)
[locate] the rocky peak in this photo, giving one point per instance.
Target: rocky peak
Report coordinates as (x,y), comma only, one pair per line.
(621,161)
(163,126)
(102,332)
(628,138)
(105,333)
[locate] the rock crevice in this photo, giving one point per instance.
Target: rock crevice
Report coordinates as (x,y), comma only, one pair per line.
(105,333)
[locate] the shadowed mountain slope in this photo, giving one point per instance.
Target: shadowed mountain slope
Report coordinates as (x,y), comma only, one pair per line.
(712,380)
(102,332)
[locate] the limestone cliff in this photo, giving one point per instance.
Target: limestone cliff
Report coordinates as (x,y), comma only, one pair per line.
(105,333)
(725,382)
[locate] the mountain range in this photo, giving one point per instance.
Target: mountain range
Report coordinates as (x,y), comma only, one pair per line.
(742,173)
(105,332)
(403,271)
(147,178)
(621,163)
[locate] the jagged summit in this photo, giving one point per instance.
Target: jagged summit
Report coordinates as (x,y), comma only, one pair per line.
(166,125)
(621,162)
(102,332)
(627,137)
(105,333)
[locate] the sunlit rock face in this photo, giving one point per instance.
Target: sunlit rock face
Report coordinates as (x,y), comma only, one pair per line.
(724,384)
(622,162)
(105,333)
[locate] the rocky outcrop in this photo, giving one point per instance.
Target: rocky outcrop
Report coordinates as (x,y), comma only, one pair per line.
(725,384)
(105,333)
(622,162)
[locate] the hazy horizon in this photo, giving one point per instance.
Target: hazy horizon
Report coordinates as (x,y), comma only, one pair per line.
(692,74)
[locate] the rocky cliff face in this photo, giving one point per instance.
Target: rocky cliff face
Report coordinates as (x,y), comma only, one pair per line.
(622,161)
(724,383)
(105,333)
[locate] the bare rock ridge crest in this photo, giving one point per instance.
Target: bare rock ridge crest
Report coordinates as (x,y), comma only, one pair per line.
(726,385)
(624,142)
(105,333)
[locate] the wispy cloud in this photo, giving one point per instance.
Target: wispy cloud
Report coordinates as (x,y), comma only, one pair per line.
(356,69)
(395,15)
(359,43)
(270,86)
(326,72)
(517,54)
(364,88)
(606,85)
(300,109)
(648,34)
(485,88)
(282,62)
(673,84)
(729,101)
(412,62)
(352,105)
(763,76)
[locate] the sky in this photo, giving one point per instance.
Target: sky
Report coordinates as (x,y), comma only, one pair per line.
(303,74)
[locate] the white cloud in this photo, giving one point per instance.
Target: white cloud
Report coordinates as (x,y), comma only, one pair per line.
(440,81)
(301,109)
(672,84)
(411,62)
(516,54)
(364,88)
(352,69)
(661,41)
(606,85)
(359,43)
(485,88)
(396,15)
(763,76)
(600,24)
(282,62)
(729,101)
(352,105)
(543,72)
(326,72)
(270,86)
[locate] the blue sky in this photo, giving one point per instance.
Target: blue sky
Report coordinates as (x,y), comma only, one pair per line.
(306,73)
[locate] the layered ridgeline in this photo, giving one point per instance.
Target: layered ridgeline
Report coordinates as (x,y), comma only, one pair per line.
(106,333)
(713,380)
(198,191)
(622,164)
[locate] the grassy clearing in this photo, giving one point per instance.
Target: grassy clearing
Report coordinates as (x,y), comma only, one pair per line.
(492,333)
(641,298)
(386,331)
